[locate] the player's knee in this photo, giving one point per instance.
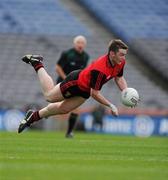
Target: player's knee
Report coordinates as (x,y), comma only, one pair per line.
(52,109)
(48,98)
(57,108)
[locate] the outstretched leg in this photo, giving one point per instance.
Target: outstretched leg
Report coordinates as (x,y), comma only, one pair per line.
(51,93)
(46,81)
(62,107)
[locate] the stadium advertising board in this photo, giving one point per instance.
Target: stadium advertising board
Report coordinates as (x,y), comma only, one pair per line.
(141,125)
(10,119)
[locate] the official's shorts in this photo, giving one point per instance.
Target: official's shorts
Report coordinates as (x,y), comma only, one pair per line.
(69,86)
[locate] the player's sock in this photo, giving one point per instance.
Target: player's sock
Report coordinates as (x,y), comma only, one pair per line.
(71,122)
(28,120)
(37,65)
(34,117)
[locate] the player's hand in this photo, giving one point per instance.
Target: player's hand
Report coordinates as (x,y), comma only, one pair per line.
(114,110)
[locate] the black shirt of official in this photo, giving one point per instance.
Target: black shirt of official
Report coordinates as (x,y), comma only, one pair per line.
(71,60)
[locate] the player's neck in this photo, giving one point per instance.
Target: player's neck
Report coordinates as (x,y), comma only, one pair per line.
(111,61)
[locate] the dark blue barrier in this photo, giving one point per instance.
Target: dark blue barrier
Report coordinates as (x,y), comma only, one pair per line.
(140,125)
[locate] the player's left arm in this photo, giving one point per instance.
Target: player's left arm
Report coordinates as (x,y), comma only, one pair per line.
(121,82)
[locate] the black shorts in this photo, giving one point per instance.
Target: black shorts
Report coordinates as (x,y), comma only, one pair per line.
(69,86)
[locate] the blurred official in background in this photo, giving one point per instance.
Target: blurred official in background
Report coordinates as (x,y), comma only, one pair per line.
(70,60)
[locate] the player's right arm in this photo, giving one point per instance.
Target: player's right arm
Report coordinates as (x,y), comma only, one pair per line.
(121,83)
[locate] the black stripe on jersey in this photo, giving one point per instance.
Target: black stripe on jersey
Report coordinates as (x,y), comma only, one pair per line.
(97,79)
(121,72)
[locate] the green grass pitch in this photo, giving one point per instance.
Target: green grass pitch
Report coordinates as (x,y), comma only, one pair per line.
(48,155)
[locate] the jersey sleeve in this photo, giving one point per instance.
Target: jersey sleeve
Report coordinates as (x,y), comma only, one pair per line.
(62,59)
(97,79)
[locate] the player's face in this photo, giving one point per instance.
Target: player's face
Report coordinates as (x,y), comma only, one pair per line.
(119,56)
(80,45)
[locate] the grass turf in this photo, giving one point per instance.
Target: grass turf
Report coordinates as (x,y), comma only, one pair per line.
(43,155)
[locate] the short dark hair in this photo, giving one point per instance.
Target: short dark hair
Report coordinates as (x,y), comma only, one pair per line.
(116,44)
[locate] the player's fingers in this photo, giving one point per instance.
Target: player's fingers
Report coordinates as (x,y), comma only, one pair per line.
(114,113)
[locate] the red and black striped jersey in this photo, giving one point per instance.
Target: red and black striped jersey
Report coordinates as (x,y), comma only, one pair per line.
(98,73)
